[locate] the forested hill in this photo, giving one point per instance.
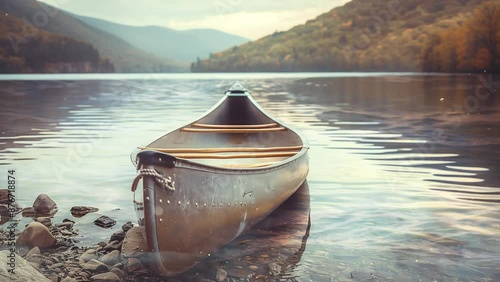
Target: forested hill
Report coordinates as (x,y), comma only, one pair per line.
(37,18)
(366,35)
(44,52)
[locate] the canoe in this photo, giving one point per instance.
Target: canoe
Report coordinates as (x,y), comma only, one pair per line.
(207,182)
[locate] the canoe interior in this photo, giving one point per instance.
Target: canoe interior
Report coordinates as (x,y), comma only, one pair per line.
(235,134)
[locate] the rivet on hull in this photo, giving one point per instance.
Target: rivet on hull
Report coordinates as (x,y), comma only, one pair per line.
(161,201)
(168,202)
(179,203)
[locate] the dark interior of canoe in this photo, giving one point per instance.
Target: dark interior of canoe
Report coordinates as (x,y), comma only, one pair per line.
(236,134)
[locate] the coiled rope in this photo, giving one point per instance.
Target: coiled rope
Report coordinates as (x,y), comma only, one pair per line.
(164,182)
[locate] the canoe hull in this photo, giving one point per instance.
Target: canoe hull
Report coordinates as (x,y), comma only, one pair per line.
(210,208)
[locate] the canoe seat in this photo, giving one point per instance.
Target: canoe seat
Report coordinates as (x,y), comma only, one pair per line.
(233,128)
(229,153)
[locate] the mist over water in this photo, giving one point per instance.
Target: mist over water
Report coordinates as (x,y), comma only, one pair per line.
(404,178)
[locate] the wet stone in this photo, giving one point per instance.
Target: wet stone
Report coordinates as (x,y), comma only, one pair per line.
(44,205)
(104,222)
(126,227)
(65,225)
(80,211)
(118,236)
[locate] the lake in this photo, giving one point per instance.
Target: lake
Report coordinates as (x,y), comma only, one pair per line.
(404,181)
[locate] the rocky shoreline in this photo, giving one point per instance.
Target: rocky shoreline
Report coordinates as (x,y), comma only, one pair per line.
(44,250)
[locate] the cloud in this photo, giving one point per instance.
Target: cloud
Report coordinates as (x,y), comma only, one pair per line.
(253,25)
(252,19)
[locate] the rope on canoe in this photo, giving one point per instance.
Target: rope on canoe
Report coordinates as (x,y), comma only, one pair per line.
(164,182)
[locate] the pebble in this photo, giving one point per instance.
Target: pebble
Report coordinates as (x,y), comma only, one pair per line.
(113,245)
(34,251)
(44,220)
(88,255)
(133,265)
(274,269)
(95,266)
(220,275)
(111,258)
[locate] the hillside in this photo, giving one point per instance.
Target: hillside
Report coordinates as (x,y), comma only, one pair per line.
(362,35)
(45,52)
(184,46)
(124,56)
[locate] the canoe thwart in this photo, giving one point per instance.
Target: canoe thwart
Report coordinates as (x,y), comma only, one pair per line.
(224,149)
(233,130)
(235,126)
(235,156)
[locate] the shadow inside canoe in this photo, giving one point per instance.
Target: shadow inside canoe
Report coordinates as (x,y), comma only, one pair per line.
(279,240)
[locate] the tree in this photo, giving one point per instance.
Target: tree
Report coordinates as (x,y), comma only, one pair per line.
(485,25)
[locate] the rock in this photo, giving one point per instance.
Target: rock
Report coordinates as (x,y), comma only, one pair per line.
(44,220)
(118,236)
(120,273)
(15,268)
(113,245)
(54,278)
(134,244)
(68,220)
(108,276)
(5,196)
(28,212)
(133,265)
(220,275)
(88,255)
(104,222)
(111,258)
(126,227)
(65,225)
(274,269)
(36,234)
(95,266)
(44,205)
(80,211)
(33,251)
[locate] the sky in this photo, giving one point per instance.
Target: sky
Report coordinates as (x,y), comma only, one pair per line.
(248,18)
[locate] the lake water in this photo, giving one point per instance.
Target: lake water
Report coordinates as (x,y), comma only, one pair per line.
(404,181)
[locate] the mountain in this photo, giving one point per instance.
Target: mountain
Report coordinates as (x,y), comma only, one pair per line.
(45,52)
(362,35)
(184,46)
(38,16)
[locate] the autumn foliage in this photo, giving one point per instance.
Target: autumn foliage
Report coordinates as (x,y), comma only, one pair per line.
(473,46)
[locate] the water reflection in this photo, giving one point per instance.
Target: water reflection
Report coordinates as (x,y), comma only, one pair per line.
(280,238)
(402,183)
